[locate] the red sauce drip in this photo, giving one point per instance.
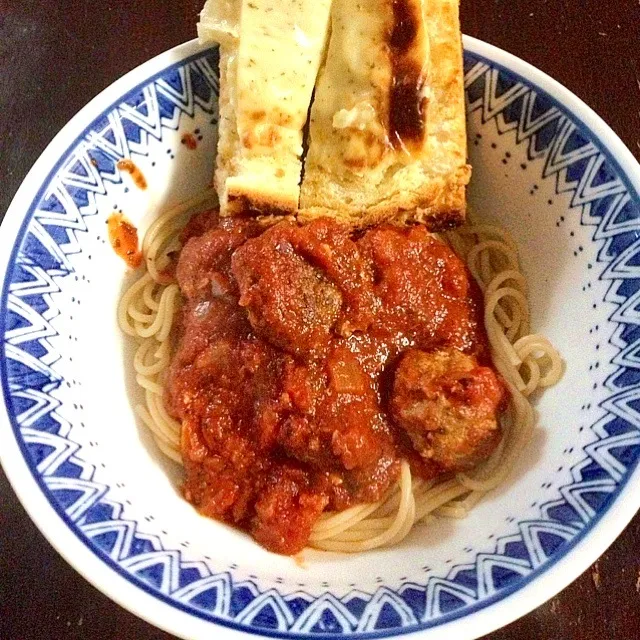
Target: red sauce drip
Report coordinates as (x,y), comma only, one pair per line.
(189,141)
(128,166)
(123,237)
(407,107)
(294,380)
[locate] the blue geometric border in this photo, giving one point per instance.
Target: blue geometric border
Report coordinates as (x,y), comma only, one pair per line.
(52,231)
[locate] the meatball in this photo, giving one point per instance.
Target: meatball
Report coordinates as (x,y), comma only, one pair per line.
(425,290)
(449,406)
(205,261)
(301,285)
(286,510)
(289,302)
(334,420)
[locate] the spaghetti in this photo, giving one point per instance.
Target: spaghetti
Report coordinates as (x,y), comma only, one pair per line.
(527,362)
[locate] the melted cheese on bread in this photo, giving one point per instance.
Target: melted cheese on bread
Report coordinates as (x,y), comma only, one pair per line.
(387,131)
(270,52)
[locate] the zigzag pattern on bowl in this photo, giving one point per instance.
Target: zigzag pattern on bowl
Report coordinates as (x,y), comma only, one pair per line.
(570,158)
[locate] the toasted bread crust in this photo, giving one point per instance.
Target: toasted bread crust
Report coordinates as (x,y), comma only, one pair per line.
(439,206)
(259,202)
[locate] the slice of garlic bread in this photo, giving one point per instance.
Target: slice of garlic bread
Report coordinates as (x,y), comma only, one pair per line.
(270,52)
(387,131)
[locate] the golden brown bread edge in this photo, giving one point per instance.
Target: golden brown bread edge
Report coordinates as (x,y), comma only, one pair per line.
(431,187)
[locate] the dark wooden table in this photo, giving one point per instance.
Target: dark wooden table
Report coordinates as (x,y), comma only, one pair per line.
(55,55)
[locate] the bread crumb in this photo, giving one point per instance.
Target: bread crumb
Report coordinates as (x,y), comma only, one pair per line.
(595,576)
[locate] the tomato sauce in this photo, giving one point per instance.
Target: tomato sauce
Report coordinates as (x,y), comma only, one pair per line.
(283,377)
(130,167)
(123,237)
(189,141)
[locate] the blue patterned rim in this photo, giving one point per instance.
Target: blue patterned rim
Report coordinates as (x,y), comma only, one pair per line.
(574,156)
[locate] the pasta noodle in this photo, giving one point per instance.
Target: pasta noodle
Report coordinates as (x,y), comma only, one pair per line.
(527,362)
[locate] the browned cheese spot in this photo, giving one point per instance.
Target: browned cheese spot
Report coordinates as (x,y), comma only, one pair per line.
(407,106)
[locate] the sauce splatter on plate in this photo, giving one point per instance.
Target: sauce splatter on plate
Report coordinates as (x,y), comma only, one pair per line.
(133,170)
(123,237)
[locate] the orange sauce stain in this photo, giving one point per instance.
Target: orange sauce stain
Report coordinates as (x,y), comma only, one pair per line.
(299,559)
(189,141)
(137,176)
(123,237)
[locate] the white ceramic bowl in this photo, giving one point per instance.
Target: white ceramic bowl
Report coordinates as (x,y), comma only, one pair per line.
(546,167)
